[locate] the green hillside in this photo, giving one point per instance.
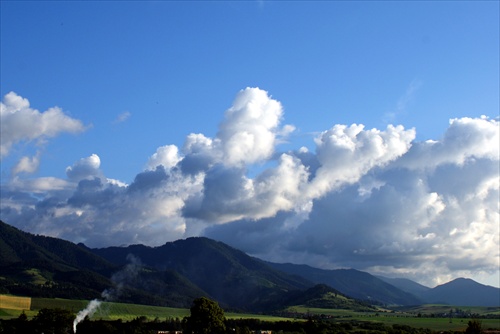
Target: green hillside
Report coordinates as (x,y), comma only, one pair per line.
(324,297)
(171,275)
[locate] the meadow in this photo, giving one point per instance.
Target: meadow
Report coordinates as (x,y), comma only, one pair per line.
(409,316)
(124,311)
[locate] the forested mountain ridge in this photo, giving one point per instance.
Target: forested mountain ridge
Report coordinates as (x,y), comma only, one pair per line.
(44,266)
(170,275)
(225,273)
(41,266)
(177,272)
(18,246)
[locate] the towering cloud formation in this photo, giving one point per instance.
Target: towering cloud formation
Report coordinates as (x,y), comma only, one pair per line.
(371,199)
(248,132)
(347,153)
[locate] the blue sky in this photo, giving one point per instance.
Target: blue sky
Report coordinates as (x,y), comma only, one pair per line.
(130,78)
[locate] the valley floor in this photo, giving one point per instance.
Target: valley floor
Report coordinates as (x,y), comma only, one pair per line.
(421,317)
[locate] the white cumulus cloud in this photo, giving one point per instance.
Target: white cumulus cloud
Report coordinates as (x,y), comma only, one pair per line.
(20,123)
(85,168)
(27,164)
(372,199)
(250,127)
(167,156)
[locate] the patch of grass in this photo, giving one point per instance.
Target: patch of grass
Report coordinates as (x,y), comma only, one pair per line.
(34,276)
(111,311)
(10,314)
(114,311)
(67,304)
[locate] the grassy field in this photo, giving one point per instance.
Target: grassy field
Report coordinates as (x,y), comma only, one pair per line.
(15,302)
(409,319)
(114,311)
(441,324)
(111,311)
(326,311)
(33,276)
(439,308)
(126,312)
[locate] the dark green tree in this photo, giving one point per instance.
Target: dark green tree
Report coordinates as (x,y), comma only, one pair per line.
(207,317)
(22,323)
(474,327)
(54,321)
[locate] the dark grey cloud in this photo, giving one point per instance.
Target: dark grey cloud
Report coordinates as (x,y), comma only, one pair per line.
(196,163)
(148,180)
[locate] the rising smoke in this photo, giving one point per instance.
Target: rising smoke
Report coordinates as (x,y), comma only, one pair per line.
(119,279)
(87,312)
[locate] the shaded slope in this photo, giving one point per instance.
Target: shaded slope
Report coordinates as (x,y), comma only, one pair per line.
(42,266)
(406,285)
(463,292)
(226,274)
(353,283)
(49,267)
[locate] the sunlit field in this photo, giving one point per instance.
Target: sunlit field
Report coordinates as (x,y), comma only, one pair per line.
(14,302)
(127,312)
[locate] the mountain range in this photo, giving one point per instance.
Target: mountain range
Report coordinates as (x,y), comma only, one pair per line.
(177,272)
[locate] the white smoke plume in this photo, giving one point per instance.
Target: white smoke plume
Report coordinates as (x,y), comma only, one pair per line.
(123,277)
(87,312)
(119,279)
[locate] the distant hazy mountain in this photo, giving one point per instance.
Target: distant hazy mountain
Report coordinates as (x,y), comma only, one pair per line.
(406,285)
(463,292)
(459,292)
(354,283)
